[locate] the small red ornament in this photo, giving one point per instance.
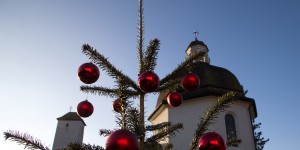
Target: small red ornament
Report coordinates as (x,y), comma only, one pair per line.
(211,141)
(117,105)
(190,82)
(174,99)
(88,73)
(122,140)
(148,81)
(85,109)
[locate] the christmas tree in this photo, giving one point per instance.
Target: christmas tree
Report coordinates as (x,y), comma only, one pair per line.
(131,134)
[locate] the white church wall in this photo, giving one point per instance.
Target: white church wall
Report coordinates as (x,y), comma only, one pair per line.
(162,117)
(243,124)
(187,113)
(68,131)
(191,111)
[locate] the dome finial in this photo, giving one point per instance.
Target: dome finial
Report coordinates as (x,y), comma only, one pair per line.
(196,35)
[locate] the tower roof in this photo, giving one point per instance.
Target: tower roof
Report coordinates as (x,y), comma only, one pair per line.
(71,116)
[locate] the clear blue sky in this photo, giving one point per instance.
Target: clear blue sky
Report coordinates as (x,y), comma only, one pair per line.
(40,52)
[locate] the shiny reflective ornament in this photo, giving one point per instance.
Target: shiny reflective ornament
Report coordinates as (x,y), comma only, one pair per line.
(85,109)
(148,81)
(122,140)
(174,99)
(211,141)
(190,82)
(88,73)
(117,105)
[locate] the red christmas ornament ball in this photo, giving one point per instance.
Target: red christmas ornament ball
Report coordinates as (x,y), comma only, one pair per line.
(148,81)
(88,73)
(211,141)
(117,105)
(85,109)
(190,82)
(122,140)
(174,99)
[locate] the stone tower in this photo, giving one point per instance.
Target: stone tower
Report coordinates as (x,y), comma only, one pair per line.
(70,128)
(235,122)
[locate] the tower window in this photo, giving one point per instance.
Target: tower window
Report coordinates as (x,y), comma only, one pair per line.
(230,128)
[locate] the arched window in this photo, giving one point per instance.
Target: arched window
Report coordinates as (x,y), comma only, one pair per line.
(230,127)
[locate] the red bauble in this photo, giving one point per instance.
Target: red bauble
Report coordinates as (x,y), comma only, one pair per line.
(211,141)
(88,73)
(85,109)
(174,99)
(148,81)
(122,140)
(190,82)
(117,105)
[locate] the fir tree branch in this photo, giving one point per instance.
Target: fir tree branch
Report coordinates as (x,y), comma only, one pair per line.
(157,126)
(233,142)
(101,61)
(141,37)
(133,121)
(211,113)
(113,93)
(105,132)
(24,139)
(259,140)
(181,68)
(78,146)
(151,55)
(165,132)
(171,85)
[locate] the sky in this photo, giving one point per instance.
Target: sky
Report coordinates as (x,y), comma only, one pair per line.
(40,52)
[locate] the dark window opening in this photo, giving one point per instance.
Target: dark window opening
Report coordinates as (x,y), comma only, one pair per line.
(230,128)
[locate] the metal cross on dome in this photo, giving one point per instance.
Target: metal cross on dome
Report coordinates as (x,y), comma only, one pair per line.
(196,34)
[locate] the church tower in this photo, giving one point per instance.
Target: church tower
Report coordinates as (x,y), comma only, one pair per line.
(70,128)
(235,122)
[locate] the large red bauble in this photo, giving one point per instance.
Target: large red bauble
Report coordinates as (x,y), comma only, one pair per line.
(85,109)
(211,141)
(88,73)
(148,81)
(117,105)
(174,99)
(122,140)
(190,82)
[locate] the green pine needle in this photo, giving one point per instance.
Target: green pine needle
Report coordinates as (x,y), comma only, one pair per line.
(24,139)
(211,113)
(113,93)
(151,55)
(181,68)
(111,70)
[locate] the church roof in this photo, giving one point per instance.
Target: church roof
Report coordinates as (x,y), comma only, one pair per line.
(71,116)
(214,81)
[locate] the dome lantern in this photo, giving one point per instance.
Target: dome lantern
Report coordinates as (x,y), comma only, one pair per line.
(196,47)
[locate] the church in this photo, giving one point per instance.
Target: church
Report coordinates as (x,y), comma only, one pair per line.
(235,122)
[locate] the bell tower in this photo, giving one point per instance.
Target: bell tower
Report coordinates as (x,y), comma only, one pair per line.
(70,128)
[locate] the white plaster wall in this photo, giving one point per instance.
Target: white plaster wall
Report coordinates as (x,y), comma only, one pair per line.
(191,111)
(162,117)
(68,131)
